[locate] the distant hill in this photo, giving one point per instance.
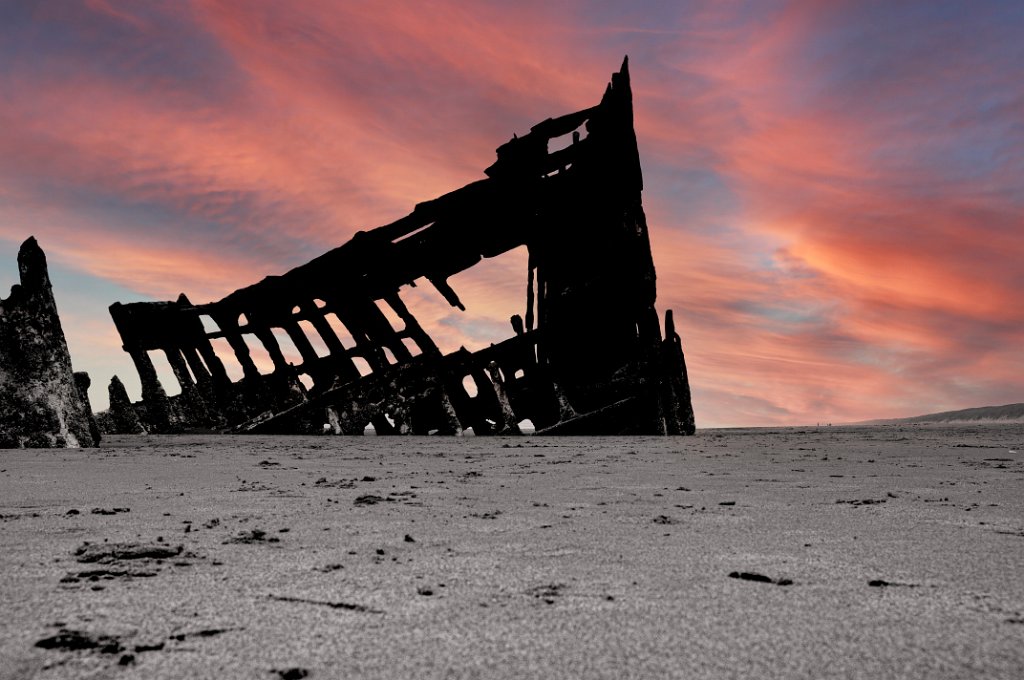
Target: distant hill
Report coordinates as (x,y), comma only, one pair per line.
(1008,413)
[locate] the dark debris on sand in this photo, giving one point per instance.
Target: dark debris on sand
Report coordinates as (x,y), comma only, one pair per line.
(294,673)
(759,578)
(371,499)
(74,640)
(548,592)
(348,606)
(105,553)
(204,633)
(107,574)
(253,536)
(880,583)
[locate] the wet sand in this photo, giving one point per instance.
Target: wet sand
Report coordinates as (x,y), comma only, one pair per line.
(870,552)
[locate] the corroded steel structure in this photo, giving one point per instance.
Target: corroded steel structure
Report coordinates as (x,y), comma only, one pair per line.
(587,356)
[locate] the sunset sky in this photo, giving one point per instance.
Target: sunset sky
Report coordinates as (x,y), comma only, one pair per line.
(835,189)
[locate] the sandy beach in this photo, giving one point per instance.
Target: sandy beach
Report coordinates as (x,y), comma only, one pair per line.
(860,552)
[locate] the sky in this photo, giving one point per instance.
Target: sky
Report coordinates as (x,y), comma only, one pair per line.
(835,190)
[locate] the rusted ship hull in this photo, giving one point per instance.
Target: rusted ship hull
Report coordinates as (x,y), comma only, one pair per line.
(587,356)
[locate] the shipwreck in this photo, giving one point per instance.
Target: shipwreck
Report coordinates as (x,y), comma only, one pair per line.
(587,356)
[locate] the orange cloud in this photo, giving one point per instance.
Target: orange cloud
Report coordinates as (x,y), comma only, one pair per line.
(834,200)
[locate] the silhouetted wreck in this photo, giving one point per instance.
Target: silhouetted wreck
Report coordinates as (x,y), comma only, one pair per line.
(586,357)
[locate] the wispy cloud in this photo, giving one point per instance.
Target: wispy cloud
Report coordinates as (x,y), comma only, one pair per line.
(835,190)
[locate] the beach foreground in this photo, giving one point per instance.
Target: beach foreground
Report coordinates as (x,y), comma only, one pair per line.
(867,552)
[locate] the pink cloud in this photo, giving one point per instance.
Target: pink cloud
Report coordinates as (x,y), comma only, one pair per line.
(847,261)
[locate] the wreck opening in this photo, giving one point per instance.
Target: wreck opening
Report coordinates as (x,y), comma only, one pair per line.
(260,355)
(316,341)
(430,310)
(410,344)
(491,292)
(164,372)
(229,363)
(566,140)
(469,384)
(288,349)
(362,365)
(551,252)
(339,330)
(397,323)
(209,325)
